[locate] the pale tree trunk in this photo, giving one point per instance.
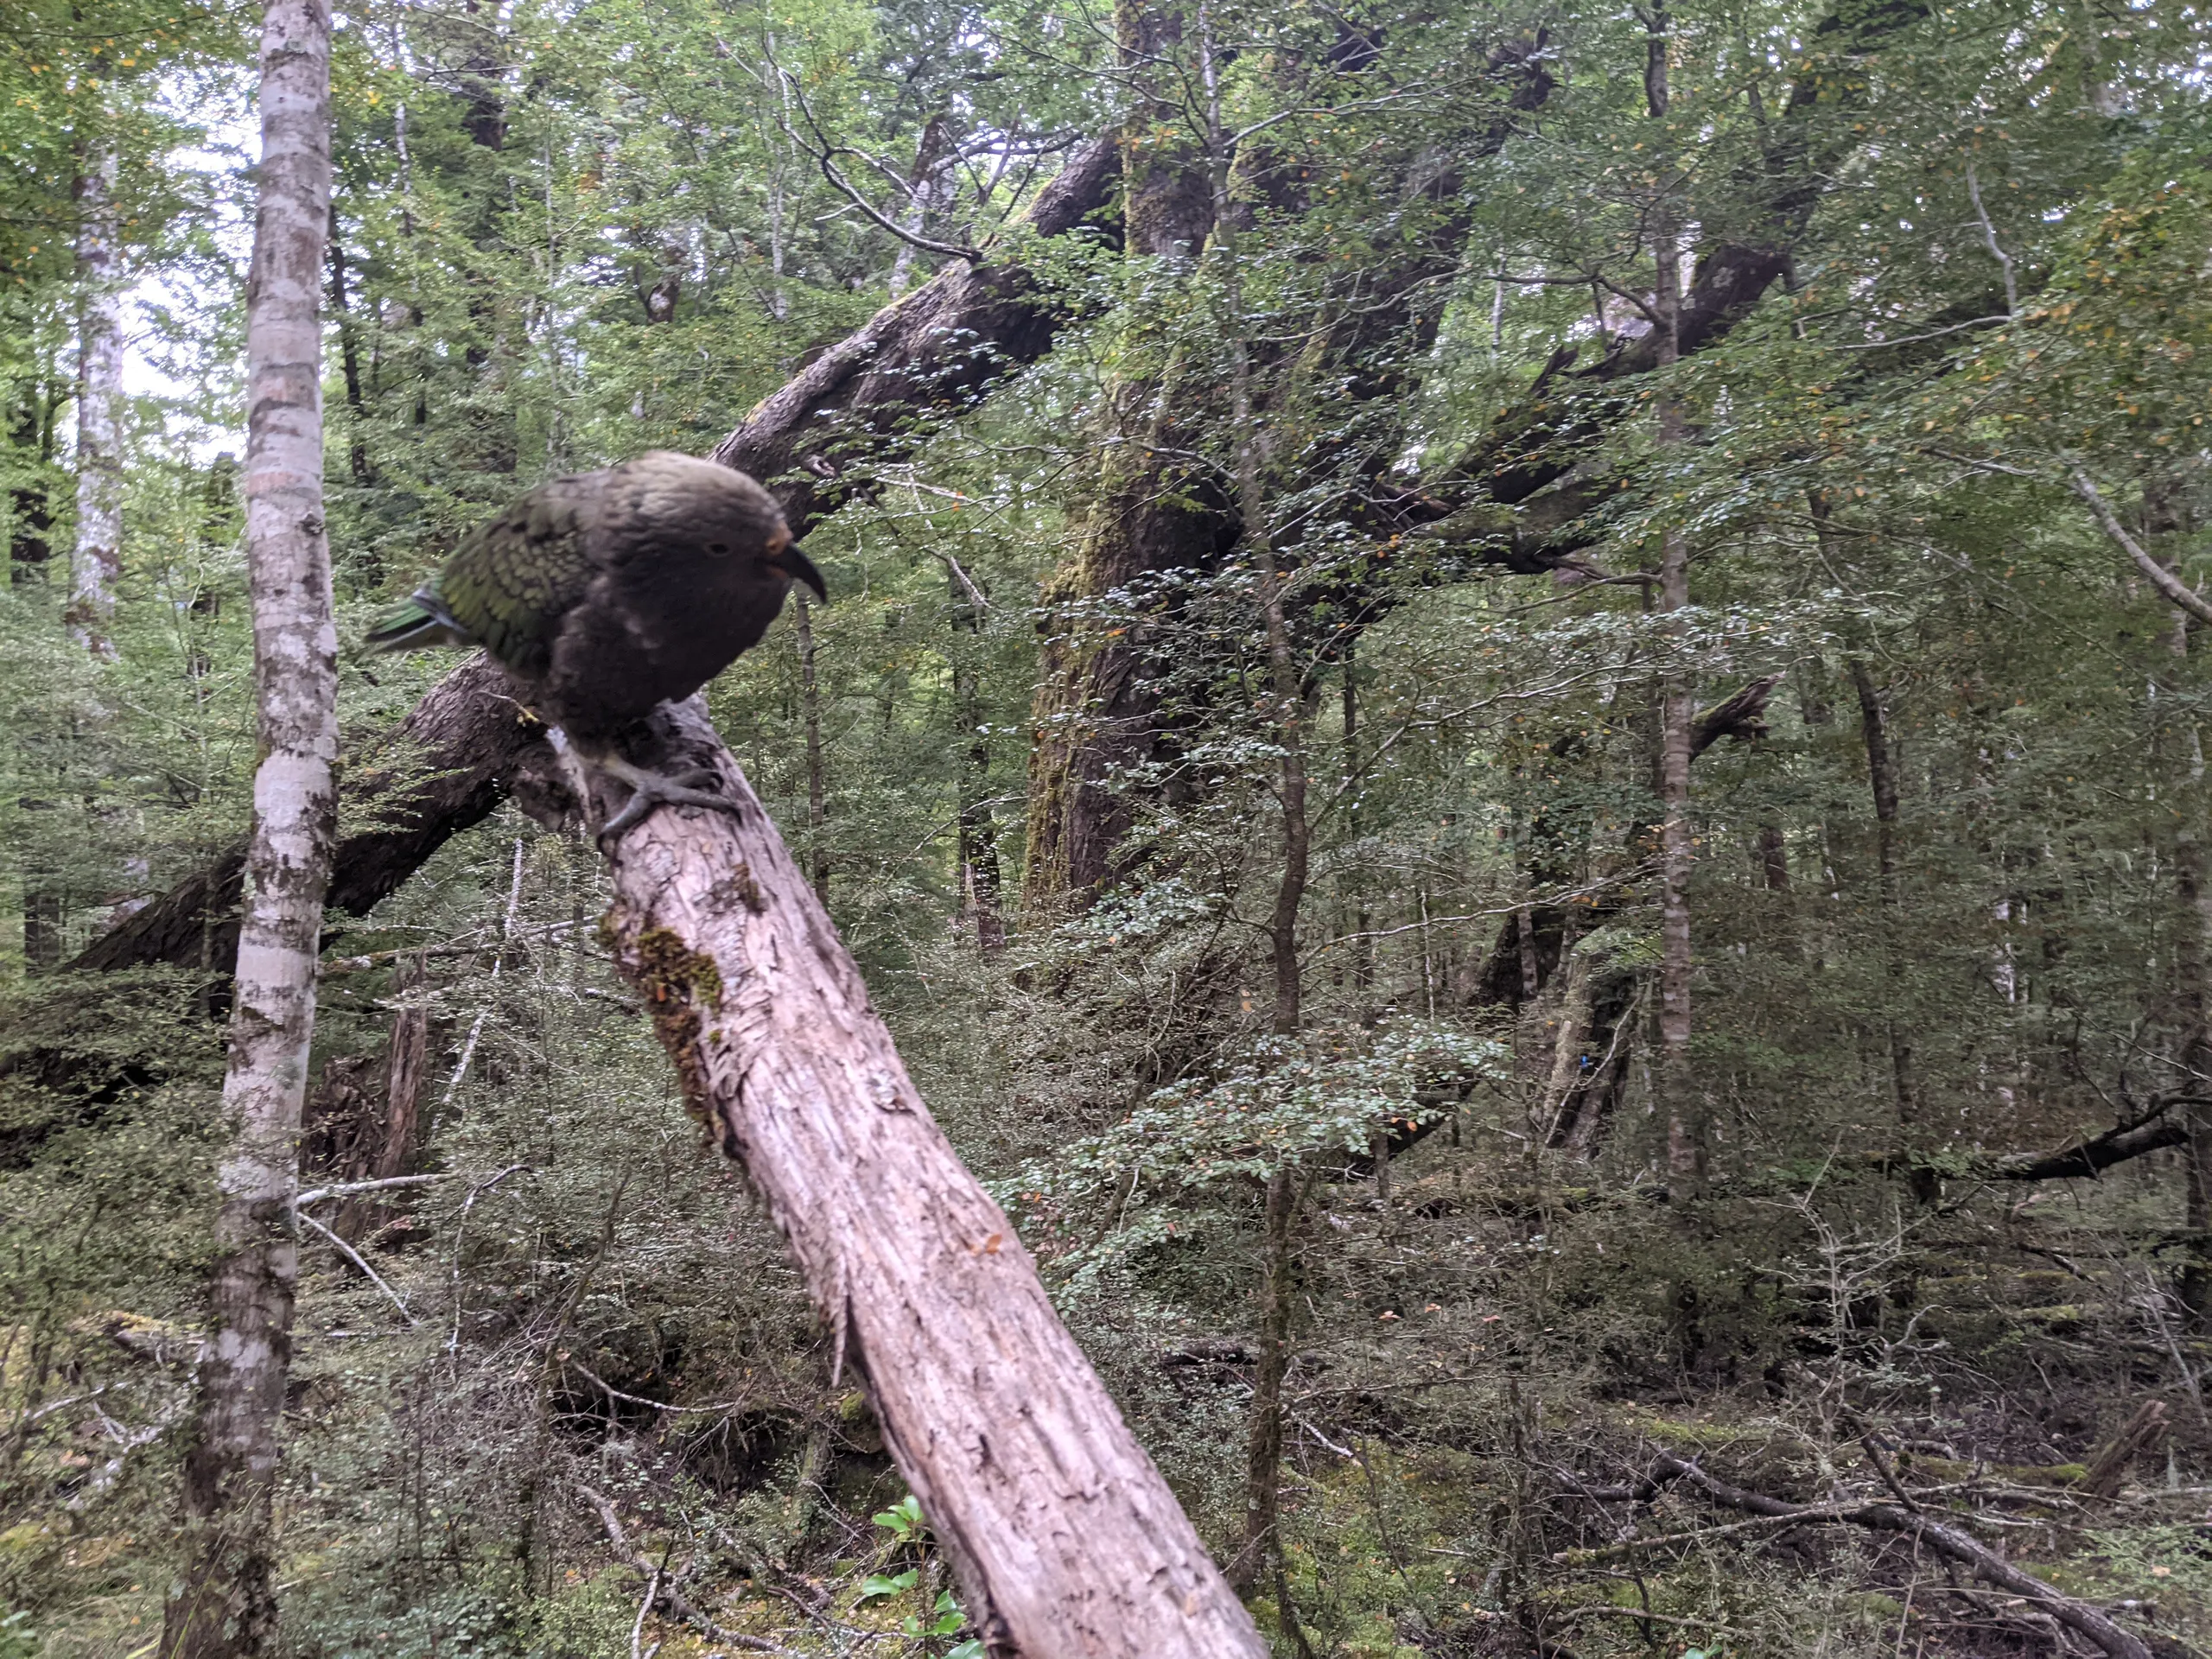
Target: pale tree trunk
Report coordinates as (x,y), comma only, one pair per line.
(1067,1542)
(98,555)
(924,184)
(224,1604)
(1686,1125)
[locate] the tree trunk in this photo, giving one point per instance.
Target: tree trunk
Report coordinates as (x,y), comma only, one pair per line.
(809,700)
(2193,991)
(1067,1542)
(978,827)
(406,1061)
(1263,1435)
(1362,969)
(96,558)
(1774,856)
(1881,773)
(1686,1125)
(349,360)
(30,501)
(1095,709)
(225,1603)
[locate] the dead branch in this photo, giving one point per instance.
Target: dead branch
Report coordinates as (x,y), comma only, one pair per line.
(2109,1464)
(668,1594)
(1741,715)
(1945,1540)
(2146,1133)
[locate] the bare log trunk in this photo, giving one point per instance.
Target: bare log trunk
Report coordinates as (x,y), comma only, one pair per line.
(225,1603)
(96,557)
(1067,1542)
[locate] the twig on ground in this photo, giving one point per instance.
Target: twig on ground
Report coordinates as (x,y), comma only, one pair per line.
(668,1594)
(1946,1540)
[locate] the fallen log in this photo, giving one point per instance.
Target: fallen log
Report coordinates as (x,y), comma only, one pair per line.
(1065,1541)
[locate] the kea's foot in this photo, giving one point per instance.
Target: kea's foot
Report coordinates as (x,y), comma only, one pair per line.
(651,789)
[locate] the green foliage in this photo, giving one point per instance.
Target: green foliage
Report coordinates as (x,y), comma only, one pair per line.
(567,233)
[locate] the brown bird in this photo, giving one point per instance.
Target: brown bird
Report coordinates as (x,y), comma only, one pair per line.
(608,594)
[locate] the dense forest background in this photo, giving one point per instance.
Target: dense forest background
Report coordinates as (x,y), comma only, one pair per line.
(1519,750)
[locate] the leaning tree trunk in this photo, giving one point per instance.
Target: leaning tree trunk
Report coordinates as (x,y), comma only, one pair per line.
(224,1602)
(97,554)
(1066,1541)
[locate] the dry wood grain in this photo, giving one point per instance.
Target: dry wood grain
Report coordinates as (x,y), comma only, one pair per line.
(1066,1541)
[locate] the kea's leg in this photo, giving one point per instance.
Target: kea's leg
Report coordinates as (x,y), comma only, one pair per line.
(648,789)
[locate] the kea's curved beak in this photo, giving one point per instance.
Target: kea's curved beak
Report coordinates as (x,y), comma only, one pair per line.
(796,565)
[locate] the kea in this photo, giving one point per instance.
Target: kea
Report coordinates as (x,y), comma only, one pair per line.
(607,594)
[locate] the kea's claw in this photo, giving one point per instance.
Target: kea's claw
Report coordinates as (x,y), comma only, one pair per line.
(651,789)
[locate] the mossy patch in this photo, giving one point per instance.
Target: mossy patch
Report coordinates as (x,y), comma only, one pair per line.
(680,986)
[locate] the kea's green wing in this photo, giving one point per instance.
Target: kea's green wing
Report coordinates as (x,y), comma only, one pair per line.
(511,582)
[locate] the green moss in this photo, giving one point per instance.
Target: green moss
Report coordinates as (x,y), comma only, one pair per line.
(680,986)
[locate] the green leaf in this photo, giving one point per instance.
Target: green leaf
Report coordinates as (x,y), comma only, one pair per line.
(875,1585)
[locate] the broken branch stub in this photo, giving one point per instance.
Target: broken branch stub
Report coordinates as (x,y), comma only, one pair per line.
(1066,1541)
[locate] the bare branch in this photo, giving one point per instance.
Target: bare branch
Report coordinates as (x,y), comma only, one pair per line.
(355,1257)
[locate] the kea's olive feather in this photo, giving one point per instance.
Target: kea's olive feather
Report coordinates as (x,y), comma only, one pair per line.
(608,592)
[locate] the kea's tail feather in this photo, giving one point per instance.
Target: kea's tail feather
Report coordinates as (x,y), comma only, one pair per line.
(423,619)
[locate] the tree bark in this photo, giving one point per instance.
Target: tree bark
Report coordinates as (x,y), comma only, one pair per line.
(225,1605)
(978,825)
(810,702)
(935,351)
(1686,1125)
(2193,992)
(30,501)
(1067,1542)
(1881,773)
(1263,1434)
(1095,710)
(349,361)
(96,557)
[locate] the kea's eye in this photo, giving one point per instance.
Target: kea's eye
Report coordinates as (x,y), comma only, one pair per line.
(720,550)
